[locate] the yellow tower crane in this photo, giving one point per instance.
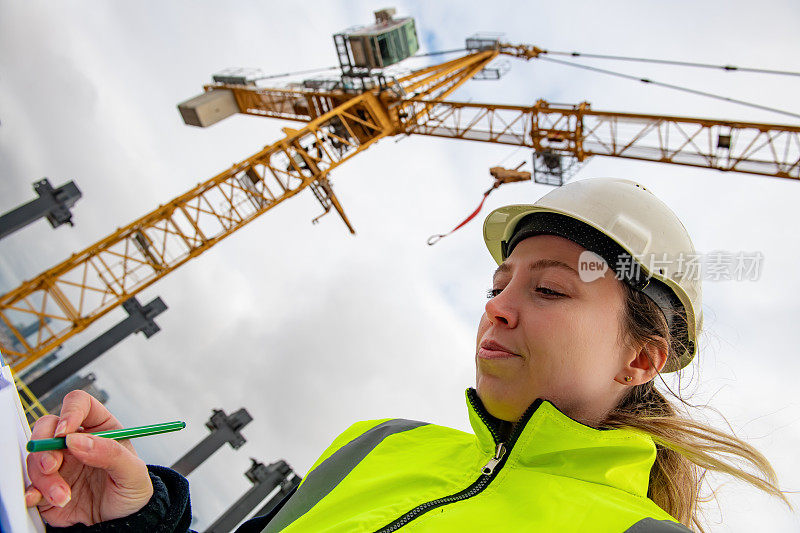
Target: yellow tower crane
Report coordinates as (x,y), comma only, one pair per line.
(336,123)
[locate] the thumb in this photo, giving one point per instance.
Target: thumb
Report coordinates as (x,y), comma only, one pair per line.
(126,469)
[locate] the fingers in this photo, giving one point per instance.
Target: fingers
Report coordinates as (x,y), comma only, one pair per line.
(44,429)
(122,465)
(80,408)
(43,467)
(49,485)
(32,497)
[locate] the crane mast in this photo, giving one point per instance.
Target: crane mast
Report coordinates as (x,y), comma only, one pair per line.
(335,125)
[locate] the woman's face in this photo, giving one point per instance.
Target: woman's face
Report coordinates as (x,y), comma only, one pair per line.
(555,337)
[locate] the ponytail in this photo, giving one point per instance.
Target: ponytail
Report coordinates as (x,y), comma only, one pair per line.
(685,449)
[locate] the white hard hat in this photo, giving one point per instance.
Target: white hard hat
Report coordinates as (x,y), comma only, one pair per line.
(639,237)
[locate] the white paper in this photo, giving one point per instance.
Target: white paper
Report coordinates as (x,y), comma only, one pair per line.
(14,435)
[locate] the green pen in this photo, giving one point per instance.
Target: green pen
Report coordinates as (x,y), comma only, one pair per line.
(60,443)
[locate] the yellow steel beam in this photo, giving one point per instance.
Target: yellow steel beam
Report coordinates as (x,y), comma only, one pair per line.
(522,51)
(425,82)
(748,147)
(451,79)
(33,408)
(285,103)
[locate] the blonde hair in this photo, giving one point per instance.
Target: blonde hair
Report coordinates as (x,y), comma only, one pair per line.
(685,449)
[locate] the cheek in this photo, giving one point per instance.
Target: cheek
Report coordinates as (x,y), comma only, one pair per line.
(593,340)
(575,339)
(550,328)
(483,325)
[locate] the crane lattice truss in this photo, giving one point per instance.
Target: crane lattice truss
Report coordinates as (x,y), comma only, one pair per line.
(766,149)
(67,298)
(337,125)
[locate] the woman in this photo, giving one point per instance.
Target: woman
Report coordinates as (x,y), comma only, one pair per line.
(570,432)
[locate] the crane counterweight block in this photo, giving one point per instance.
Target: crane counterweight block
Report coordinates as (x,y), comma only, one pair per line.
(208,108)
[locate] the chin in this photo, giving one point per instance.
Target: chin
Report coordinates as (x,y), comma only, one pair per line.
(499,400)
(505,412)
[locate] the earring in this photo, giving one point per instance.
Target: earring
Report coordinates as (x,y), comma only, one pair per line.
(627,379)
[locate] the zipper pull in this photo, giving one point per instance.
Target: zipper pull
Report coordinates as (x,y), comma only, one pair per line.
(489,468)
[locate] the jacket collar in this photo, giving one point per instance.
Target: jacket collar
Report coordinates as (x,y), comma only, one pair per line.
(548,441)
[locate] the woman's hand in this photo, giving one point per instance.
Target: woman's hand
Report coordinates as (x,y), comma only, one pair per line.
(95,479)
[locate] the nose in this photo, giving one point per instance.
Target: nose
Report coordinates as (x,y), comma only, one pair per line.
(502,310)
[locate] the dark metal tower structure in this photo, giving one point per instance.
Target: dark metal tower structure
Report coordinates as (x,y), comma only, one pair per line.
(265,479)
(140,319)
(224,428)
(52,203)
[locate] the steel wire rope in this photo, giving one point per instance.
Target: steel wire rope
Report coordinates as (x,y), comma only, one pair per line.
(285,74)
(728,68)
(322,69)
(671,86)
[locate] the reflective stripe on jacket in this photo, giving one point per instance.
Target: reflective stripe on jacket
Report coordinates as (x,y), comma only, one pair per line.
(550,474)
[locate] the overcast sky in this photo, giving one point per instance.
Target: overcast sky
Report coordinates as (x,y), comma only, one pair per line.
(311,328)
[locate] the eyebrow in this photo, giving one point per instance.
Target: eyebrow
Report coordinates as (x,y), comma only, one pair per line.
(536,265)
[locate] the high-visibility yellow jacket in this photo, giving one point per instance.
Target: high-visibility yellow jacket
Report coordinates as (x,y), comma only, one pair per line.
(550,474)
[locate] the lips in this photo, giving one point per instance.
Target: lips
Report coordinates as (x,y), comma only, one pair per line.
(492,349)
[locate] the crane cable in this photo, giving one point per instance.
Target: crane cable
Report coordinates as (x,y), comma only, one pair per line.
(729,68)
(336,67)
(284,74)
(671,86)
(439,53)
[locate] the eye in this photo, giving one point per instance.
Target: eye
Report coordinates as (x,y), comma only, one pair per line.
(549,292)
(491,293)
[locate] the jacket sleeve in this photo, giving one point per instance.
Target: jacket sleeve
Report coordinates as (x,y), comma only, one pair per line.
(168,511)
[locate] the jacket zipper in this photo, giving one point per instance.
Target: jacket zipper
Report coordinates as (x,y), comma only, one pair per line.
(488,472)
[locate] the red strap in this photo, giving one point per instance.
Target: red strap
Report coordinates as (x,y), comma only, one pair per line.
(433,239)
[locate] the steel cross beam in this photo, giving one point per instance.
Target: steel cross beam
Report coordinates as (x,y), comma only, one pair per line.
(52,204)
(224,428)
